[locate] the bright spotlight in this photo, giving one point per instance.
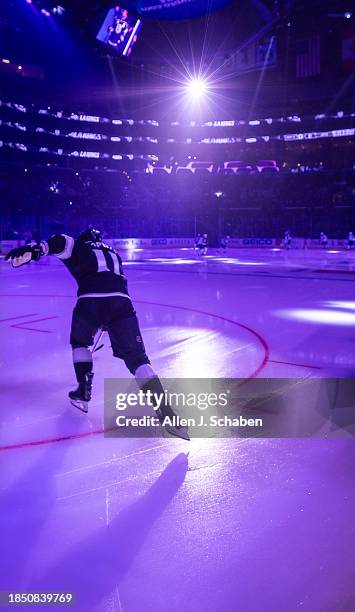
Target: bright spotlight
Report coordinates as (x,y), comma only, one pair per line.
(197,88)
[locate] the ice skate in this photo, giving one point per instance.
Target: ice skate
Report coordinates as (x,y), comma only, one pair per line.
(179,431)
(81,397)
(165,412)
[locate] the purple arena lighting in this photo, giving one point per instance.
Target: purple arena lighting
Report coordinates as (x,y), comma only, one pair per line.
(177,273)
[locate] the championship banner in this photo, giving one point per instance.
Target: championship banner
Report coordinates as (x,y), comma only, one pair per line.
(258,54)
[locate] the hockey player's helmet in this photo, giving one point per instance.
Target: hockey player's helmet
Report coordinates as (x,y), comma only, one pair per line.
(90,235)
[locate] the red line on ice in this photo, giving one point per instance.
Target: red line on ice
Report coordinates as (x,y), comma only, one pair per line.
(45,331)
(33,314)
(298,365)
(85,434)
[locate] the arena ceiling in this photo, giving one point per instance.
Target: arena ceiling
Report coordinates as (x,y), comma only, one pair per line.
(164,9)
(189,9)
(173,32)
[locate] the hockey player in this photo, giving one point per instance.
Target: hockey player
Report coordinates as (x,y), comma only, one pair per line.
(103,303)
(197,241)
(224,243)
(205,244)
(351,240)
(323,239)
(287,240)
(202,244)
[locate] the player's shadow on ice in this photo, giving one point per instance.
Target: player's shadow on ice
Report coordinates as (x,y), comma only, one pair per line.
(93,568)
(26,505)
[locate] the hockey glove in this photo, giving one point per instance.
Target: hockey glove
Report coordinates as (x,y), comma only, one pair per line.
(24,254)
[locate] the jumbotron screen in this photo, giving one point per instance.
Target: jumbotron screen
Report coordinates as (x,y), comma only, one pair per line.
(120,30)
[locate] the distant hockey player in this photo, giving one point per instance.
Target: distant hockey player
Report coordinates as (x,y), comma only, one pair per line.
(103,303)
(323,239)
(351,241)
(224,243)
(202,245)
(205,244)
(197,241)
(287,241)
(199,244)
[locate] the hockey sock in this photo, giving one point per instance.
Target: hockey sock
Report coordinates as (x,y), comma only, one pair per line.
(82,359)
(148,380)
(143,373)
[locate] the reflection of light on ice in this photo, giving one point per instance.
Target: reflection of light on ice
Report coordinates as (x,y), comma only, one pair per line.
(156,259)
(250,263)
(326,317)
(203,454)
(241,263)
(201,447)
(183,261)
(172,261)
(190,350)
(341,304)
(180,261)
(131,263)
(191,347)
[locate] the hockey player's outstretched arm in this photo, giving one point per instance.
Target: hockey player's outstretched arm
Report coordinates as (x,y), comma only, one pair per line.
(56,245)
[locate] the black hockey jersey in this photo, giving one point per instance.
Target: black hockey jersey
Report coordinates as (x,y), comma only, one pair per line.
(96,267)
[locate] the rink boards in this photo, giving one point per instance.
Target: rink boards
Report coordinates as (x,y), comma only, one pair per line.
(161,243)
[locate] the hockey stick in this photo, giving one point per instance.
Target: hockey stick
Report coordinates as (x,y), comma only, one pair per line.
(96,347)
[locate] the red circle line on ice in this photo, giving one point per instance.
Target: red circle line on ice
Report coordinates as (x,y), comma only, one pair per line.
(87,434)
(260,339)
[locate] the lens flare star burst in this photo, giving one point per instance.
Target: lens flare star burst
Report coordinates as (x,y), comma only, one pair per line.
(196,88)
